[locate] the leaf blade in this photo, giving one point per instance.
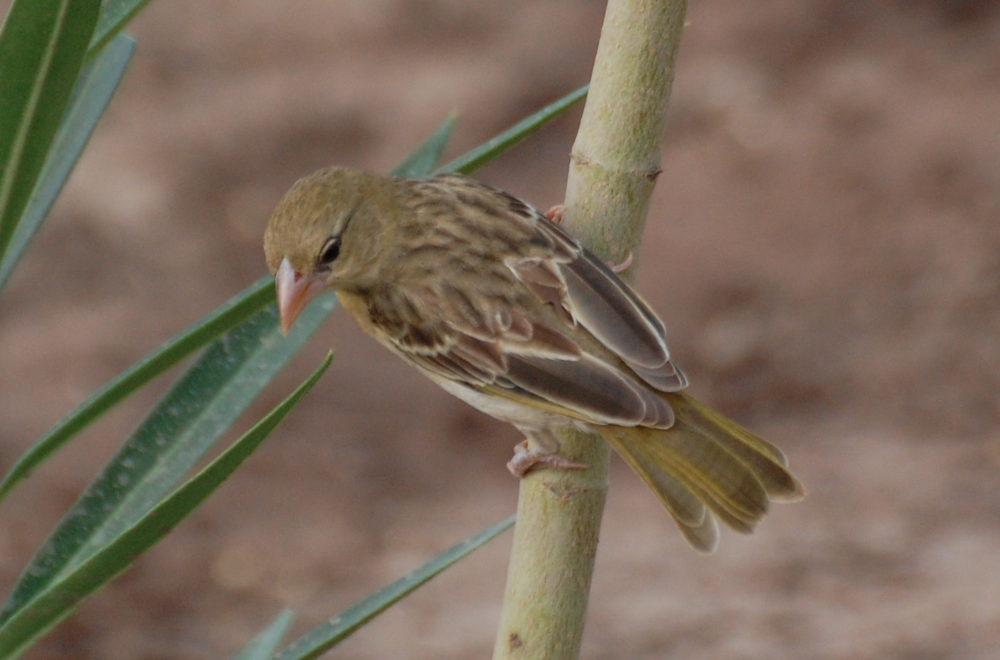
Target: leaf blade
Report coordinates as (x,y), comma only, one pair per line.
(475,158)
(265,644)
(329,633)
(224,317)
(423,158)
(61,597)
(115,14)
(184,425)
(42,47)
(90,97)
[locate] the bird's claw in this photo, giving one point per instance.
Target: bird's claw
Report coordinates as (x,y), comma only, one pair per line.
(622,266)
(555,214)
(526,459)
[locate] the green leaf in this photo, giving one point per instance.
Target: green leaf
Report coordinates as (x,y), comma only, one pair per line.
(227,315)
(331,632)
(423,159)
(57,600)
(91,96)
(173,438)
(263,646)
(491,149)
(115,14)
(42,47)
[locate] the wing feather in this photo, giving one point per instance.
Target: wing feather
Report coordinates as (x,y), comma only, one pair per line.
(591,387)
(597,299)
(517,325)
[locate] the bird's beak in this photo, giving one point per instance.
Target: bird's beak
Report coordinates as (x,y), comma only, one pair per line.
(294,292)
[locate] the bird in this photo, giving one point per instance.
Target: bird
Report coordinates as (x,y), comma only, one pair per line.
(500,306)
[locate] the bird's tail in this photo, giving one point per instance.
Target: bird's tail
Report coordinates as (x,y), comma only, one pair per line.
(706,464)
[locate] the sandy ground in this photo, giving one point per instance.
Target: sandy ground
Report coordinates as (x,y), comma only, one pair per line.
(824,244)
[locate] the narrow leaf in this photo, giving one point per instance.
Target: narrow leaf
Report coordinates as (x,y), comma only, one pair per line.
(491,149)
(59,598)
(42,47)
(264,645)
(227,315)
(91,96)
(115,14)
(173,438)
(423,159)
(331,632)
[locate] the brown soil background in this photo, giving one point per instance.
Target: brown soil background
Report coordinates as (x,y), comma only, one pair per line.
(824,244)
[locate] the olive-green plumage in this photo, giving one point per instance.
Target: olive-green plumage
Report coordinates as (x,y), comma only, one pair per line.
(499,306)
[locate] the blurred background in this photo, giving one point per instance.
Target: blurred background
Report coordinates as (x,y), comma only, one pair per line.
(823,245)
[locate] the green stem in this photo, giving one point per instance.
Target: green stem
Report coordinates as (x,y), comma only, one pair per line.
(614,164)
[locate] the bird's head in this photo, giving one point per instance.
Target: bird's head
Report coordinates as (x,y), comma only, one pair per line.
(328,232)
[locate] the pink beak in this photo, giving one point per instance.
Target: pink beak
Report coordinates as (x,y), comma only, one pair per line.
(294,293)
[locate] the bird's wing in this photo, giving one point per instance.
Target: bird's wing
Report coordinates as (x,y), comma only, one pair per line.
(494,347)
(559,271)
(518,342)
(597,299)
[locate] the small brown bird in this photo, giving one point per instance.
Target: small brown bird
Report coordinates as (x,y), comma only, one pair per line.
(502,308)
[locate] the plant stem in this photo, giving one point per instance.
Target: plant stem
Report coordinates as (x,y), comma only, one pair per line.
(614,164)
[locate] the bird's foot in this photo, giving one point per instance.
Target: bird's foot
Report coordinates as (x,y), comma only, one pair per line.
(526,459)
(555,214)
(622,266)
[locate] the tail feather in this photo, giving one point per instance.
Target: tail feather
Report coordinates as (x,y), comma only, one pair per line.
(688,511)
(706,464)
(713,474)
(704,536)
(767,462)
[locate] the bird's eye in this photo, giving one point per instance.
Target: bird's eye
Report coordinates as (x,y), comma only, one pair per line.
(330,251)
